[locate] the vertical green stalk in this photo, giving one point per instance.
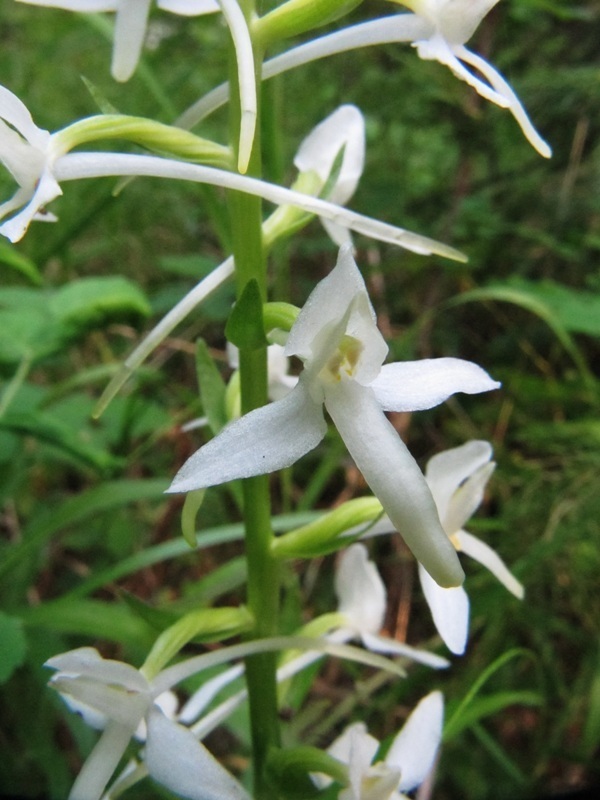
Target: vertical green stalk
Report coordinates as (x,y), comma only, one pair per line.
(263,577)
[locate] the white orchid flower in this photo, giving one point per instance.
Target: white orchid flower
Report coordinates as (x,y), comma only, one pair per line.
(336,337)
(125,702)
(131,23)
(362,602)
(280,382)
(457,480)
(342,130)
(121,701)
(408,762)
(439,29)
(28,154)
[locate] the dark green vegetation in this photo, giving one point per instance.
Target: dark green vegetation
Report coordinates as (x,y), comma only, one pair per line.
(85,531)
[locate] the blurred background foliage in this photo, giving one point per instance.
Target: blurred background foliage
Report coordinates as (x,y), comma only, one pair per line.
(86,533)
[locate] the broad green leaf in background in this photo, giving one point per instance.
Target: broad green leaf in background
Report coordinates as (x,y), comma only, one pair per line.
(13,258)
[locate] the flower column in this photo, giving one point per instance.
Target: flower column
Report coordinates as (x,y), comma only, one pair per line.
(263,578)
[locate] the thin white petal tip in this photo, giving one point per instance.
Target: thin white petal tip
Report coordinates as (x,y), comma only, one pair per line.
(247,129)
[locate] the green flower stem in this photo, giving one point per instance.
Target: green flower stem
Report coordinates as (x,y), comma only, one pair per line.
(263,569)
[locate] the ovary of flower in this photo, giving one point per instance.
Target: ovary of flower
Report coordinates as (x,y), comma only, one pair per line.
(131,23)
(336,337)
(457,480)
(120,700)
(407,763)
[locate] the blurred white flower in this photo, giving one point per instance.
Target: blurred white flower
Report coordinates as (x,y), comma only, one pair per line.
(362,601)
(408,761)
(119,700)
(336,337)
(457,480)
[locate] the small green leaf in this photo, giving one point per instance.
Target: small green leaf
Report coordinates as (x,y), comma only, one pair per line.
(212,387)
(13,645)
(245,327)
(191,506)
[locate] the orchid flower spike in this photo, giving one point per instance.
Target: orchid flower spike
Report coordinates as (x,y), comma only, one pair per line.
(457,480)
(118,699)
(362,602)
(408,762)
(336,337)
(131,23)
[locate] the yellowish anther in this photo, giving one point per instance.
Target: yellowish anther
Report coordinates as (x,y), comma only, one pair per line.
(344,360)
(455,541)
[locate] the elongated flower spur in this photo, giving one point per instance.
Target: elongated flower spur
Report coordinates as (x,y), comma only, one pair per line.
(39,161)
(336,337)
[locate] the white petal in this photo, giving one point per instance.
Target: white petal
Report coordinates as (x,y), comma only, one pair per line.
(419,385)
(414,749)
(17,114)
(515,106)
(345,128)
(393,476)
(114,703)
(483,553)
(270,438)
(47,190)
(177,760)
(356,748)
(101,763)
(383,644)
(467,499)
(327,304)
(450,611)
(447,470)
(244,55)
(437,48)
(360,590)
(130,30)
(87,662)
